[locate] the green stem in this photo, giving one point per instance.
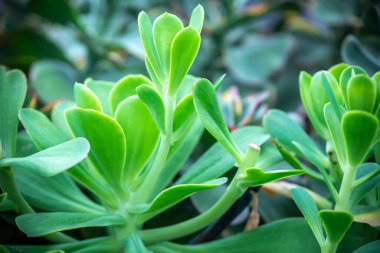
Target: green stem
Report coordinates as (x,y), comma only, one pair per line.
(150,236)
(343,201)
(8,185)
(329,247)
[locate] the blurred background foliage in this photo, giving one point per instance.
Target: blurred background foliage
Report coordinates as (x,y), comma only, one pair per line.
(261,46)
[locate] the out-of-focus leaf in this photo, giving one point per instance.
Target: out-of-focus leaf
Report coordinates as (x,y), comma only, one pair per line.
(133,244)
(196,19)
(58,11)
(12,95)
(372,247)
(257,58)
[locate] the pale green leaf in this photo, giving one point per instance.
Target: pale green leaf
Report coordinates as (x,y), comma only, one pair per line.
(209,112)
(183,52)
(102,90)
(12,95)
(345,77)
(154,103)
(85,98)
(361,93)
(197,17)
(184,116)
(54,160)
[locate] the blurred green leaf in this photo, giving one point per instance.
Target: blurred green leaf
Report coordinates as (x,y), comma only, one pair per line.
(372,247)
(197,17)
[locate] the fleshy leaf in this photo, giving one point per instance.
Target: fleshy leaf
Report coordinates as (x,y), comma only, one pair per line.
(134,244)
(310,211)
(12,95)
(107,140)
(335,224)
(333,123)
(369,182)
(177,193)
(345,77)
(165,28)
(85,98)
(372,247)
(337,70)
(210,114)
(359,130)
(102,91)
(39,224)
(54,160)
(126,87)
(254,176)
(184,116)
(183,52)
(141,135)
(361,93)
(197,17)
(154,103)
(281,127)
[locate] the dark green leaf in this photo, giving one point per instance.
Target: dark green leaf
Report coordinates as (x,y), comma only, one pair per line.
(372,247)
(336,224)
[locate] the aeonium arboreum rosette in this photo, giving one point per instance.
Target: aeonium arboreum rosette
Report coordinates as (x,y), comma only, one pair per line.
(138,133)
(343,106)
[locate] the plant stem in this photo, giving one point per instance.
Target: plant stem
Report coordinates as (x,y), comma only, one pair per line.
(233,192)
(8,185)
(329,247)
(343,201)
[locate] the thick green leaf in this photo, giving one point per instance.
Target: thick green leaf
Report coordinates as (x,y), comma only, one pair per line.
(141,135)
(146,34)
(333,123)
(197,17)
(175,194)
(336,224)
(359,130)
(184,116)
(216,160)
(310,211)
(62,195)
(254,176)
(285,236)
(281,127)
(154,103)
(133,244)
(337,70)
(58,117)
(124,88)
(107,140)
(372,247)
(345,77)
(209,112)
(165,28)
(54,160)
(361,190)
(334,97)
(38,224)
(102,90)
(361,93)
(43,133)
(85,98)
(12,95)
(305,83)
(183,52)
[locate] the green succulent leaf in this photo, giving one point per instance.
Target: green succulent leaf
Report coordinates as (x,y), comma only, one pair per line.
(333,123)
(367,179)
(217,161)
(107,140)
(361,93)
(345,77)
(175,194)
(141,135)
(337,70)
(165,28)
(306,97)
(310,211)
(85,98)
(210,114)
(54,160)
(154,103)
(125,88)
(184,116)
(43,133)
(372,247)
(335,224)
(254,176)
(134,244)
(282,128)
(197,17)
(58,117)
(359,130)
(39,224)
(102,91)
(12,95)
(183,52)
